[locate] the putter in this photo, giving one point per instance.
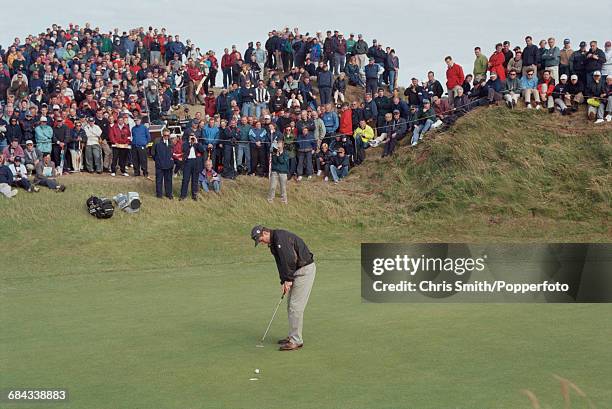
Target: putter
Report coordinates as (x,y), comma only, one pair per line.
(261,345)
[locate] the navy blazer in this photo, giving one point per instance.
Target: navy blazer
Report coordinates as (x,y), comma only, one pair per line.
(162,154)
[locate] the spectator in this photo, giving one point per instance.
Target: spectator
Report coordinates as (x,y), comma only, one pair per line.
(339,167)
(433,86)
(496,63)
(560,96)
(325,82)
(323,161)
(44,135)
(75,146)
(565,56)
(352,71)
(529,85)
(574,95)
(46,174)
(209,179)
(593,62)
(371,75)
(120,136)
(259,148)
(546,86)
(31,156)
(12,151)
(140,139)
(512,89)
(339,88)
(362,136)
(454,77)
(426,118)
(192,151)
(227,140)
(162,153)
(20,175)
(516,63)
(395,130)
(577,62)
(279,171)
(494,88)
(596,93)
(607,66)
(306,145)
(6,180)
(551,58)
(481,64)
(531,57)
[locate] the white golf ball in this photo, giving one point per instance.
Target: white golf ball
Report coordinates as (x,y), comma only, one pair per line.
(256,370)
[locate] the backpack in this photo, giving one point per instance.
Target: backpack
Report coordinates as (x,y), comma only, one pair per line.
(102,208)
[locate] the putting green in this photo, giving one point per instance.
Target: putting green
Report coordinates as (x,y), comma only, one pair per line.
(163,309)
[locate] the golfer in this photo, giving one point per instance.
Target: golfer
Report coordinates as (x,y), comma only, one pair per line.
(296,269)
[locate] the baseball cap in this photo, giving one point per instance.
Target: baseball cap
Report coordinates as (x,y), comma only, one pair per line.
(43,119)
(256,232)
(566,41)
(56,107)
(396,111)
(493,74)
(426,101)
(17,159)
(582,44)
(267,117)
(574,77)
(29,142)
(564,76)
(597,74)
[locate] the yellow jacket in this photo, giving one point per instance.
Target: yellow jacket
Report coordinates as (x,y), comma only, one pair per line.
(366,135)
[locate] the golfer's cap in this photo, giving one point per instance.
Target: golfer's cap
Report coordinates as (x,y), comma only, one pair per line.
(43,119)
(91,119)
(56,107)
(396,111)
(17,159)
(597,74)
(574,77)
(256,232)
(564,76)
(583,44)
(29,142)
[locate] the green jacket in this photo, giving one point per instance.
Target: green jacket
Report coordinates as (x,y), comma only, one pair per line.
(290,147)
(480,65)
(280,163)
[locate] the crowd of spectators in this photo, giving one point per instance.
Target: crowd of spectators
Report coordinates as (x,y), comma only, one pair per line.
(78,99)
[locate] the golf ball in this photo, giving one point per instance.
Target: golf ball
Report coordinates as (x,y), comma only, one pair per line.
(256,370)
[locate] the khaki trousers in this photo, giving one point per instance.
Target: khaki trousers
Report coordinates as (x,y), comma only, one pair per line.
(297,300)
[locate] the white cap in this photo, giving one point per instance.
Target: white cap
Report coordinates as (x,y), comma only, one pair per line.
(574,77)
(564,76)
(56,107)
(43,119)
(29,142)
(597,73)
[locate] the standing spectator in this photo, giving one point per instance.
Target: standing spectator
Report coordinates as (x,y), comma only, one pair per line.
(306,144)
(393,64)
(606,70)
(162,153)
(481,64)
(140,139)
(577,62)
(551,58)
(44,135)
(61,137)
(75,146)
(516,63)
(247,99)
(262,98)
(226,67)
(259,149)
(227,138)
(565,56)
(371,75)
(279,171)
(531,57)
(454,77)
(93,151)
(120,135)
(325,82)
(339,47)
(594,61)
(191,167)
(359,51)
(244,151)
(496,62)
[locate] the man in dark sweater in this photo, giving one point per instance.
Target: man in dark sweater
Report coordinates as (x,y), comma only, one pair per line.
(296,269)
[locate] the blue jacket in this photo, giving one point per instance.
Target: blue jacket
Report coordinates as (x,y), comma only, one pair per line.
(210,134)
(258,135)
(371,72)
(527,83)
(331,121)
(140,136)
(306,142)
(162,154)
(325,79)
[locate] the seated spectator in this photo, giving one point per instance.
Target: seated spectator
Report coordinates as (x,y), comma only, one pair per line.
(20,175)
(324,160)
(529,85)
(574,93)
(209,179)
(362,135)
(561,97)
(462,103)
(353,73)
(443,111)
(6,180)
(494,88)
(512,89)
(12,151)
(426,119)
(478,95)
(395,130)
(596,98)
(46,174)
(608,97)
(31,156)
(546,86)
(339,167)
(340,88)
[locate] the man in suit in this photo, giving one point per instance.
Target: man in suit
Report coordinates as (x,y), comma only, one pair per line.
(192,151)
(162,155)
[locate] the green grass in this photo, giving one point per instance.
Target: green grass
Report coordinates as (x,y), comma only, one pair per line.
(162,309)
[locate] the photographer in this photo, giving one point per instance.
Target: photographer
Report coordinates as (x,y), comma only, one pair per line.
(20,175)
(280,168)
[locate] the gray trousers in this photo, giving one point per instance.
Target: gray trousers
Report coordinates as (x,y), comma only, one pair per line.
(297,299)
(275,179)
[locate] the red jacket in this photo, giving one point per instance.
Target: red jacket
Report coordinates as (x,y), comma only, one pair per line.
(210,105)
(496,64)
(234,56)
(454,76)
(214,64)
(550,86)
(177,151)
(194,73)
(119,135)
(346,122)
(226,61)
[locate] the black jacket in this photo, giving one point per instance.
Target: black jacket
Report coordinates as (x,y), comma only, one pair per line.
(162,154)
(290,253)
(531,55)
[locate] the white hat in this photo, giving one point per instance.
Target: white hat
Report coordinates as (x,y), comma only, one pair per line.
(597,73)
(29,142)
(574,77)
(56,107)
(43,119)
(564,76)
(98,73)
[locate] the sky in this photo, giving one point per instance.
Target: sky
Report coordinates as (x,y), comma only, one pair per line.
(422,33)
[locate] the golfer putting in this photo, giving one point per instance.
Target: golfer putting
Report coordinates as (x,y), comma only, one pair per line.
(296,269)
